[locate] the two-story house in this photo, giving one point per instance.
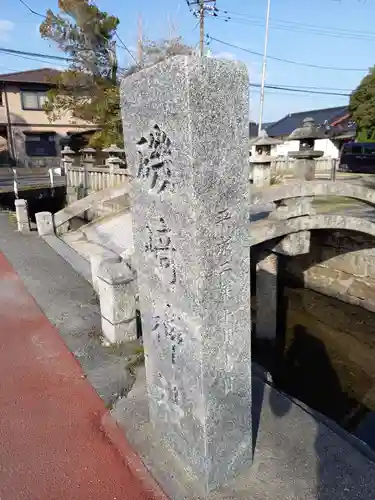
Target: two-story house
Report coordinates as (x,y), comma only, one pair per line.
(30,138)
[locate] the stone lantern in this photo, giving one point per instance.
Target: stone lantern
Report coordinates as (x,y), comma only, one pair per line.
(67,155)
(88,156)
(114,159)
(262,160)
(305,156)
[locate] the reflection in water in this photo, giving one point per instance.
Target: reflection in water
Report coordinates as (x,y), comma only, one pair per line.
(327,359)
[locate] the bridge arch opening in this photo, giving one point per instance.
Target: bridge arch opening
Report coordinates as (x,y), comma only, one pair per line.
(324,349)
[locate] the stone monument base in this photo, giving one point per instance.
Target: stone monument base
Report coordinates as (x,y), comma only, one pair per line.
(298,453)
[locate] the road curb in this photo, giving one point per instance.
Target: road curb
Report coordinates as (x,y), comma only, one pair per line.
(133,462)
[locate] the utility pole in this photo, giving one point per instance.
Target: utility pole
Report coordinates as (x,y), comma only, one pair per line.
(264,67)
(140,42)
(201,7)
(201,27)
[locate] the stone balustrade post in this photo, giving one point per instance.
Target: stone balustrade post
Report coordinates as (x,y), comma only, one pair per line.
(22,216)
(114,160)
(117,288)
(44,223)
(67,157)
(88,161)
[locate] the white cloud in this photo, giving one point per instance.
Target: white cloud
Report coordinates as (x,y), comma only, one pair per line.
(225,55)
(5,28)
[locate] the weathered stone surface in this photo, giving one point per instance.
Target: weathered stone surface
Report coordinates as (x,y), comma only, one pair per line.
(117,290)
(22,215)
(96,260)
(362,290)
(353,263)
(294,244)
(44,223)
(261,174)
(265,230)
(186,135)
(312,188)
(266,297)
(116,333)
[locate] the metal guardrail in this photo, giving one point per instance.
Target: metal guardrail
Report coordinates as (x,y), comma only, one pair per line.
(21,179)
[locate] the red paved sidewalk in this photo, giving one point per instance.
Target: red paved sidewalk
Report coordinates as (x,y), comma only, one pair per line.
(51,443)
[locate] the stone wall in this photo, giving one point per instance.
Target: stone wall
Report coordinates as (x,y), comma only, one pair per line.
(340,264)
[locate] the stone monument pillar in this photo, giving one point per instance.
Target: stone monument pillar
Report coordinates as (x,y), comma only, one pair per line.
(88,162)
(186,136)
(262,160)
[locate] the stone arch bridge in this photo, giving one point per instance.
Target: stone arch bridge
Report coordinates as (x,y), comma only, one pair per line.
(286,230)
(294,220)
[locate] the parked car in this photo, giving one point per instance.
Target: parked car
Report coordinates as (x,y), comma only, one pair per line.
(357,157)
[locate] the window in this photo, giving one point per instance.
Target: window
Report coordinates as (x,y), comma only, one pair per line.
(41,144)
(369,149)
(34,100)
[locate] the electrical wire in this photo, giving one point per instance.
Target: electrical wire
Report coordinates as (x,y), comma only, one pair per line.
(125,47)
(300,90)
(296,29)
(287,61)
(22,53)
(297,23)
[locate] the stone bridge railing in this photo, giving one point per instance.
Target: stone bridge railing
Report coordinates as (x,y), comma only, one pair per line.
(299,215)
(91,179)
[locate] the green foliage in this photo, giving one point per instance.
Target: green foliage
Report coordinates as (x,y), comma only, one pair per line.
(362,107)
(88,89)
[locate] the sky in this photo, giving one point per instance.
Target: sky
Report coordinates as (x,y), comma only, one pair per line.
(336,34)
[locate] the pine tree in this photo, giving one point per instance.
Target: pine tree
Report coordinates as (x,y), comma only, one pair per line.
(89,88)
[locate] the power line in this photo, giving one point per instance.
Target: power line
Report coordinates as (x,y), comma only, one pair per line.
(287,61)
(125,47)
(200,8)
(36,54)
(297,23)
(297,29)
(32,10)
(300,90)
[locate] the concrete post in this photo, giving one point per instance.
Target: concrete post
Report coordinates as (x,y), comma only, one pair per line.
(96,260)
(67,156)
(22,215)
(88,162)
(262,160)
(44,223)
(113,161)
(266,297)
(117,288)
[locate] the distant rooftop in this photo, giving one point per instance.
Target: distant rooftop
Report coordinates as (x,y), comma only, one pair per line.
(42,76)
(323,117)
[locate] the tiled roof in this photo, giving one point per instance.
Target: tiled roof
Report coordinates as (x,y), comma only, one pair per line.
(43,75)
(290,122)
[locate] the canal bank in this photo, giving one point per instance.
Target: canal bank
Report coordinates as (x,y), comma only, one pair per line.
(324,357)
